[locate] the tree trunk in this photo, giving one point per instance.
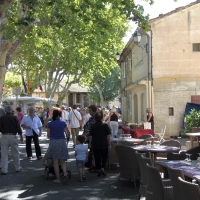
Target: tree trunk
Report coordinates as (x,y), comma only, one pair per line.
(4,47)
(2,78)
(3,51)
(6,52)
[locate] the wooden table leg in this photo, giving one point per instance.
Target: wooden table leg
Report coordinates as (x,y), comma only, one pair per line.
(191,141)
(152,158)
(197,141)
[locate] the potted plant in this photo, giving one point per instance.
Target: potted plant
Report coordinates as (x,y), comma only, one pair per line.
(192,121)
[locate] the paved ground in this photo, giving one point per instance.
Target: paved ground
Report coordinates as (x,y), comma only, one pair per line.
(31,184)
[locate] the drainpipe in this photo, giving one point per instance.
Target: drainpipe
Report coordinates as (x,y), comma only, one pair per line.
(149,68)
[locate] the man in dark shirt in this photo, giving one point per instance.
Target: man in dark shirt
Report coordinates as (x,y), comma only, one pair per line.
(9,127)
(2,112)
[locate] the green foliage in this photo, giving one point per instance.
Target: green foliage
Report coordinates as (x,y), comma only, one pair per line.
(94,95)
(79,40)
(11,81)
(192,120)
(68,38)
(109,85)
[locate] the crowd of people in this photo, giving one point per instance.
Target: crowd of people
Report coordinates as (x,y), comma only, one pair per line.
(96,126)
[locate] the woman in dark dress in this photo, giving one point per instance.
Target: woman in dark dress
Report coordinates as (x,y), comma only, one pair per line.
(150,118)
(99,142)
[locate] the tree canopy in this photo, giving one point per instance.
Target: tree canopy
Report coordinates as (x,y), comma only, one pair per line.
(58,40)
(105,88)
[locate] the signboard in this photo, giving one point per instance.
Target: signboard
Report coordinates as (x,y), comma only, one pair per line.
(16,91)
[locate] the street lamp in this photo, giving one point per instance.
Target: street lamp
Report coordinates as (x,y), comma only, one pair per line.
(117,56)
(137,38)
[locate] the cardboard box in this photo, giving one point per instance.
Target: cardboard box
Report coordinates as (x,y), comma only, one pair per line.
(147,125)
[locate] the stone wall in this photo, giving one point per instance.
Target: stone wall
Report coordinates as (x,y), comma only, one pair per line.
(175,95)
(176,66)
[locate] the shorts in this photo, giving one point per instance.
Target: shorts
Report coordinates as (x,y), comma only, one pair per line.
(80,163)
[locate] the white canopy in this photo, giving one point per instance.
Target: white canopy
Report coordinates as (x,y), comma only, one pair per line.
(29,99)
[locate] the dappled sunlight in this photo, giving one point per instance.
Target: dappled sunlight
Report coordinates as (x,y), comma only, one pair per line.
(83,189)
(8,195)
(70,161)
(42,145)
(30,183)
(21,145)
(72,153)
(32,168)
(91,198)
(43,195)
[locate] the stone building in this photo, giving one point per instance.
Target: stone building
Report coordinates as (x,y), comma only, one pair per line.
(76,95)
(163,73)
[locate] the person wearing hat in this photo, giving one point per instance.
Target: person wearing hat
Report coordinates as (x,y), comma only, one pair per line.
(9,127)
(65,113)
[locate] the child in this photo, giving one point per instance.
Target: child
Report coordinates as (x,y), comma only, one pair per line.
(81,154)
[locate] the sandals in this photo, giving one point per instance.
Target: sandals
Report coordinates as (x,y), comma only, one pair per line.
(101,172)
(81,179)
(65,177)
(68,175)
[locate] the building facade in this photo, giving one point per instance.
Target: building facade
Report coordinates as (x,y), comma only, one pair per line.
(167,81)
(77,95)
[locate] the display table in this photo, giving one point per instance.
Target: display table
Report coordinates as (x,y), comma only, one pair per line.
(131,140)
(189,169)
(154,150)
(125,130)
(135,133)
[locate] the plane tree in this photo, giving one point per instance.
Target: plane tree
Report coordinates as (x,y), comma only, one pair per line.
(87,22)
(105,87)
(57,54)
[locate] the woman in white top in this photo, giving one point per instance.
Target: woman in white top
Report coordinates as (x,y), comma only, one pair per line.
(86,117)
(113,119)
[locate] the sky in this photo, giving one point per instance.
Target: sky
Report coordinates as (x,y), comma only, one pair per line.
(159,7)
